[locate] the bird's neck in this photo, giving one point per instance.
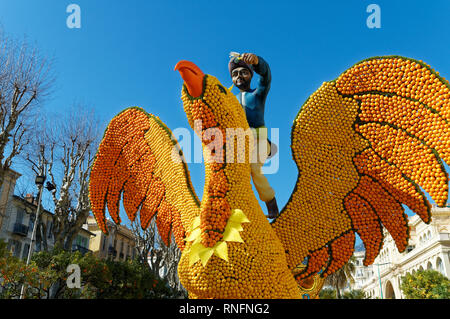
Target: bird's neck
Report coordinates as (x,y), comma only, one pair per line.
(227,187)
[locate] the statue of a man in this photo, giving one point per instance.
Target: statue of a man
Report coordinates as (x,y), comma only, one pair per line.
(241,69)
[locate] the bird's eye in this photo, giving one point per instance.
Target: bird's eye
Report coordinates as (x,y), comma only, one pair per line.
(222,89)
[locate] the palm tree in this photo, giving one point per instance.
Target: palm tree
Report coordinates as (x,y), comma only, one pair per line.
(340,278)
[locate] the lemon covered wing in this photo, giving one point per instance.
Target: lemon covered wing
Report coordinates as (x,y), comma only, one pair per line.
(140,162)
(364,144)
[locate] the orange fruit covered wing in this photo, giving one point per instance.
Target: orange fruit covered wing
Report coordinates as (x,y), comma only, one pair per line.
(365,144)
(139,162)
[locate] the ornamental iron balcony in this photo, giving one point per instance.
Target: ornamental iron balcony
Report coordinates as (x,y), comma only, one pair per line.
(20,229)
(112,251)
(81,249)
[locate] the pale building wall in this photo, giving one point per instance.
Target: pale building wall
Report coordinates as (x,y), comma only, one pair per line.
(17,221)
(429,247)
(6,192)
(18,225)
(118,245)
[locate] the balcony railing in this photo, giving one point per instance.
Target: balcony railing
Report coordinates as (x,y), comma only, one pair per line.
(81,249)
(20,229)
(444,237)
(112,251)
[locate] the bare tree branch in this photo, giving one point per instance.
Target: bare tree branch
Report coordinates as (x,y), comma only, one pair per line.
(25,80)
(70,143)
(161,259)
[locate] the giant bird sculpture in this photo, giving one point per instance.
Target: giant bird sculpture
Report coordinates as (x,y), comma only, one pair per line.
(364,144)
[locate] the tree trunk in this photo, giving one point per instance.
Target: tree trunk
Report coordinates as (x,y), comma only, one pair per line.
(68,149)
(338,292)
(43,231)
(24,82)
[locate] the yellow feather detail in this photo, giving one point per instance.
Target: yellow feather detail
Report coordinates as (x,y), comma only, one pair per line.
(221,250)
(198,252)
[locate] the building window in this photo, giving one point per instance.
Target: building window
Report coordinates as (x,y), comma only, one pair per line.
(26,248)
(19,216)
(81,241)
(78,240)
(440,266)
(104,243)
(31,223)
(410,249)
(15,247)
(50,229)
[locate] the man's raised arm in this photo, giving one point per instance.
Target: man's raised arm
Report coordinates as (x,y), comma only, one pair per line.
(261,67)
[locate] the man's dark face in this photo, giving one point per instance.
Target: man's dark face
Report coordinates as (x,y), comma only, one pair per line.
(241,78)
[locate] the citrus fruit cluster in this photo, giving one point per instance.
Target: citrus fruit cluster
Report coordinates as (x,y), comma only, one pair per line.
(323,145)
(404,77)
(136,158)
(255,266)
(392,179)
(364,144)
(413,135)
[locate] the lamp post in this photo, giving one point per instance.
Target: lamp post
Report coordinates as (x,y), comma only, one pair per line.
(379,278)
(39,181)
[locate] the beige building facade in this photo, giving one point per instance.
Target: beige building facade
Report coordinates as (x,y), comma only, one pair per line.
(18,216)
(429,248)
(118,245)
(6,192)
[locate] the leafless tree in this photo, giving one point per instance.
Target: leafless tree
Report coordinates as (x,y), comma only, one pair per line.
(171,258)
(25,80)
(145,241)
(342,277)
(161,259)
(68,145)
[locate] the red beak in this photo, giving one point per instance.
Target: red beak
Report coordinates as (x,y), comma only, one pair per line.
(192,76)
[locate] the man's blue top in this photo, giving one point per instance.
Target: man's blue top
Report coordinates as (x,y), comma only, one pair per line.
(254,100)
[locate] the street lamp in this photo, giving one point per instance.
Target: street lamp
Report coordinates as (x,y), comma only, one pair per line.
(379,277)
(50,187)
(39,181)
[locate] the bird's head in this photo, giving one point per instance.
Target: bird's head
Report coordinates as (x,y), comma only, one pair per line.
(210,107)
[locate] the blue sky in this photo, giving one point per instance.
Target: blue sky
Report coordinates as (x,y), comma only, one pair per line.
(125,51)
